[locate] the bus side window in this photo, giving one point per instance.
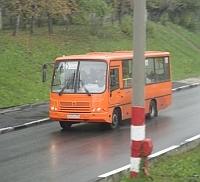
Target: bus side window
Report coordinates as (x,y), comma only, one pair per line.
(127,73)
(150,71)
(114,79)
(167,68)
(159,68)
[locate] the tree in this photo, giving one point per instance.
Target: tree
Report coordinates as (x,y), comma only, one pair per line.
(17,7)
(54,8)
(185,13)
(71,8)
(92,12)
(1,10)
(181,12)
(120,7)
(0,18)
(33,8)
(157,8)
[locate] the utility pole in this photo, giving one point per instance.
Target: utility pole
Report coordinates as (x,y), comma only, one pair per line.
(140,147)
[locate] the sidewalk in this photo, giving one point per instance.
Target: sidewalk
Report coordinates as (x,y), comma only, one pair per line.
(20,117)
(186,83)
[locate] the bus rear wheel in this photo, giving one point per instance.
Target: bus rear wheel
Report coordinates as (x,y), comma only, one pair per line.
(115,120)
(65,125)
(152,110)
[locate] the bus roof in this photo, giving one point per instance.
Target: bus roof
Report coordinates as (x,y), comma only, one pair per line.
(111,55)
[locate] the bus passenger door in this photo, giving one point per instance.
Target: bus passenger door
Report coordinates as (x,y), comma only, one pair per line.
(115,97)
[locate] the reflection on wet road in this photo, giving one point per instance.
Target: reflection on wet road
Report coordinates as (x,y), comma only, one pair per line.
(47,153)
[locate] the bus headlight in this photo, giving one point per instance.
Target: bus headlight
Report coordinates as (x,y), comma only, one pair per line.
(96,109)
(53,105)
(53,108)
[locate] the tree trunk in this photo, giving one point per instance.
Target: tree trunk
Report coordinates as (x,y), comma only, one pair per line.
(50,27)
(1,19)
(120,12)
(68,20)
(16,28)
(112,18)
(119,16)
(32,29)
(24,21)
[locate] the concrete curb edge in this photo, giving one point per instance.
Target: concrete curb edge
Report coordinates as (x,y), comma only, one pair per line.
(26,125)
(185,87)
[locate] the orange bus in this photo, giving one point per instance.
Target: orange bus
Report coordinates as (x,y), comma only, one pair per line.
(97,87)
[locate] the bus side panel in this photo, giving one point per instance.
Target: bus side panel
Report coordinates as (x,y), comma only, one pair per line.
(161,92)
(126,111)
(126,99)
(147,103)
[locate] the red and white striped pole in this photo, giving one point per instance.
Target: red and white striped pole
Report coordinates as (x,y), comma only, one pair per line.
(140,147)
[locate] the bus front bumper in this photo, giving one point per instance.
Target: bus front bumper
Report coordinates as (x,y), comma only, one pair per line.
(100,117)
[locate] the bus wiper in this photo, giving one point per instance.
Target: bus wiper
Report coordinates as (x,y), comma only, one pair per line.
(70,81)
(86,90)
(66,86)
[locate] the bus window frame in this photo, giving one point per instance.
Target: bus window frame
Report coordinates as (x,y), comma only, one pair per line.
(156,80)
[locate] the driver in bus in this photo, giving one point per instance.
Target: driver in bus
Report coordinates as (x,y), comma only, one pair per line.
(84,77)
(93,76)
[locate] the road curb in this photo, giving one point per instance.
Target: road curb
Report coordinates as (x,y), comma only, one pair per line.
(26,125)
(185,87)
(116,175)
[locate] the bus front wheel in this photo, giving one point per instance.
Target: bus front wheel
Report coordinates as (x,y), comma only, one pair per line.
(115,120)
(65,125)
(152,110)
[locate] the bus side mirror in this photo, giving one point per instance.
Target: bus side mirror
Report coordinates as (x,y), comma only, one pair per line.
(44,76)
(44,66)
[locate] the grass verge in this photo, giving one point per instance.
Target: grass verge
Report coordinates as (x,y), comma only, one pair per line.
(21,57)
(184,167)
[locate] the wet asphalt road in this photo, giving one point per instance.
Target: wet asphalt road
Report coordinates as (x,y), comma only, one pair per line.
(18,116)
(46,153)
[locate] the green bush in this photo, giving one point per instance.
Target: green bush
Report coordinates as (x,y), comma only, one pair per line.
(127,25)
(150,28)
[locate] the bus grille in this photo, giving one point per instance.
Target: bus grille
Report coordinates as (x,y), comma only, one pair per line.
(74,107)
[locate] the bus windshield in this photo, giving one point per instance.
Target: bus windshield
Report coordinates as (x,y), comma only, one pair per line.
(79,76)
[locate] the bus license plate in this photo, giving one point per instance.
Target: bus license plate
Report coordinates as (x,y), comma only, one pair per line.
(73,116)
